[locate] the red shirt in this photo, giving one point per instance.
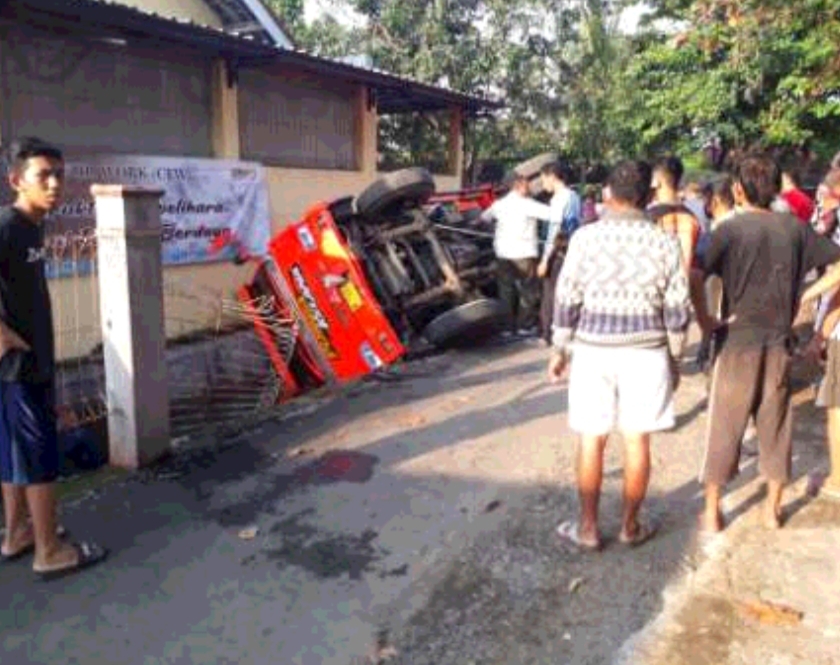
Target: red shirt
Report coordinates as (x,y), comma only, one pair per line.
(800,204)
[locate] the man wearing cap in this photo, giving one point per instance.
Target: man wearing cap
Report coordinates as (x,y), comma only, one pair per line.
(516,244)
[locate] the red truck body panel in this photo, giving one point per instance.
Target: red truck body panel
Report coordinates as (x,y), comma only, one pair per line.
(332,295)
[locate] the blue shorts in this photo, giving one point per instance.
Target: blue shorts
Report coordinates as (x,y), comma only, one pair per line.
(28,434)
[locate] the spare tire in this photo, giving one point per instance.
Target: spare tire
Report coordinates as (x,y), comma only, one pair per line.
(413,186)
(468,323)
(532,167)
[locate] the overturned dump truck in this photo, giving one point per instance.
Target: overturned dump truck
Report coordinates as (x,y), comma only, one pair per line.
(429,256)
(361,278)
(429,262)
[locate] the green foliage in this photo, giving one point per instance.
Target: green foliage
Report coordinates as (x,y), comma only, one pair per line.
(415,138)
(746,71)
(751,72)
(325,36)
(550,62)
(290,12)
(597,59)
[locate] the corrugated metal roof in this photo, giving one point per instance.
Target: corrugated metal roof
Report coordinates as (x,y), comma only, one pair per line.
(251,17)
(394,93)
(231,11)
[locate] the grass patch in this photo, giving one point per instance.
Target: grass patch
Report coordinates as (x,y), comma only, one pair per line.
(77,487)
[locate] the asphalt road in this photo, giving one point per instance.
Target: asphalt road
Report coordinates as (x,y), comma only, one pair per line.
(408,520)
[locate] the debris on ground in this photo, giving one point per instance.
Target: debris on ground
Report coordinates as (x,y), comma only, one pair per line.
(249,534)
(383,650)
(493,506)
(384,654)
(170,475)
(770,613)
(299,452)
(412,421)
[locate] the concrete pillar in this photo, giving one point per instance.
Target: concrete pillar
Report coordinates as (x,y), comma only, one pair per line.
(131,307)
(456,143)
(225,113)
(367,132)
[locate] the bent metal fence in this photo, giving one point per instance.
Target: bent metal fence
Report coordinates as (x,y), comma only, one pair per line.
(219,372)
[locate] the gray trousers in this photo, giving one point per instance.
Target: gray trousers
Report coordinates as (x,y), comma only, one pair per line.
(519,289)
(749,381)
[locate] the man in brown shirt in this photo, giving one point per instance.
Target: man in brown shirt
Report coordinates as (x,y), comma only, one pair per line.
(762,258)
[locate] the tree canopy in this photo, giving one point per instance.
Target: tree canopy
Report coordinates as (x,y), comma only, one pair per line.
(747,71)
(739,71)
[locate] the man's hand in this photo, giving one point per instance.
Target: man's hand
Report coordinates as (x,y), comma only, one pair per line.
(542,270)
(708,325)
(558,366)
(814,349)
(675,371)
(712,324)
(9,340)
(828,281)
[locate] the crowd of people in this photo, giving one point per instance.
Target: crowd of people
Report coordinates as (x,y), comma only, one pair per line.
(612,292)
(738,255)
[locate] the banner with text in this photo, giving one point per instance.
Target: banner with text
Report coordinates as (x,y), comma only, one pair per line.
(209,210)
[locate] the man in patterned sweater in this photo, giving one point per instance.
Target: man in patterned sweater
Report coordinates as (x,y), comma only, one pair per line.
(623,299)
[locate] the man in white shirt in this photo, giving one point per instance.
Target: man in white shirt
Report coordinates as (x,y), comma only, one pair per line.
(565,210)
(517,249)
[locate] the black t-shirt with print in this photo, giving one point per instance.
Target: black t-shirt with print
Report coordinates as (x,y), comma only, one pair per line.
(24,299)
(762,259)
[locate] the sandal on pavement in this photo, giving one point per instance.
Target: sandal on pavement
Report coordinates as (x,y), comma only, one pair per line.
(16,556)
(570,533)
(89,554)
(60,531)
(644,532)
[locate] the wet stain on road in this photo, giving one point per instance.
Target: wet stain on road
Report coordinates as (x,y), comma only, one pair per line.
(325,555)
(205,473)
(709,626)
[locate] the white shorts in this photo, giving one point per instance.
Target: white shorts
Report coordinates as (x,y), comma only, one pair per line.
(624,387)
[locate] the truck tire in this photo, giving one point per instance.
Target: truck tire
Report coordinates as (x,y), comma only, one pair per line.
(468,323)
(342,210)
(531,168)
(413,185)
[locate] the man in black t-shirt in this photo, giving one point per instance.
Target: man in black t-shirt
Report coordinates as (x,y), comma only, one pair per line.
(29,458)
(762,258)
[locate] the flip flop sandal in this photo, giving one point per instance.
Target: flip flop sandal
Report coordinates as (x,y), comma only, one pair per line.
(89,554)
(60,531)
(569,533)
(643,534)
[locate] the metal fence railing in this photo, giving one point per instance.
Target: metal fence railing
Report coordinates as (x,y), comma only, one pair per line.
(218,369)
